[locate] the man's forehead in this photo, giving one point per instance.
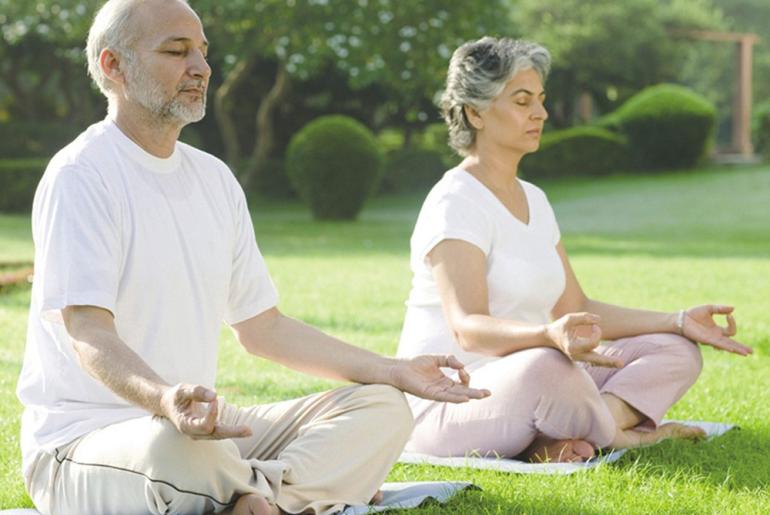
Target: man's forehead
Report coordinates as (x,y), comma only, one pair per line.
(161,21)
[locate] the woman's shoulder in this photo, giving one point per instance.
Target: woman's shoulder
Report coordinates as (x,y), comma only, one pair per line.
(456,185)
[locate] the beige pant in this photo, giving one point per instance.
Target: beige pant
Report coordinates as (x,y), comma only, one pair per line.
(313,454)
(540,391)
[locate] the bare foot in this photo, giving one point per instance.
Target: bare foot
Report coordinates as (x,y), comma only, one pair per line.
(547,450)
(630,438)
(250,504)
(377,497)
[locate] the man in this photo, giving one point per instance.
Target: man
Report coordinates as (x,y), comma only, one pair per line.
(143,245)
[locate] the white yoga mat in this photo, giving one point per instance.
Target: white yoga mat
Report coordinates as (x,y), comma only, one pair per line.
(395,496)
(522,467)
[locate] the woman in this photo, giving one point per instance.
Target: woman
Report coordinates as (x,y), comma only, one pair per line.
(493,284)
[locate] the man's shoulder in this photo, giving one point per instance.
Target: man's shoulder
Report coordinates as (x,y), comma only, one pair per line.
(86,148)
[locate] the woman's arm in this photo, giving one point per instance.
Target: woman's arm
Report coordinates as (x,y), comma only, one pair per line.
(459,269)
(696,323)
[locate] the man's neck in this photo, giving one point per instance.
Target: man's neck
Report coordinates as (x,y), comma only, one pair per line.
(156,137)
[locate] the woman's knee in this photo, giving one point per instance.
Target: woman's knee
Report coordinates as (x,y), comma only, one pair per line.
(685,355)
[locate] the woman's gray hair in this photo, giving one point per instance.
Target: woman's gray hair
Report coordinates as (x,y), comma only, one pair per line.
(113,28)
(478,72)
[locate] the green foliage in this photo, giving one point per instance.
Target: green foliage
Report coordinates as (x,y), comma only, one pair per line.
(667,126)
(412,170)
(610,49)
(334,163)
(761,129)
(577,151)
(273,182)
(35,139)
(18,181)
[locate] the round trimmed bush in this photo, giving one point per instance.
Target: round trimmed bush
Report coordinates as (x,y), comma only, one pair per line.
(412,170)
(761,130)
(577,151)
(667,126)
(334,164)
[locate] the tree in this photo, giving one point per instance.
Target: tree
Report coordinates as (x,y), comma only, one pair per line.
(611,49)
(41,58)
(403,47)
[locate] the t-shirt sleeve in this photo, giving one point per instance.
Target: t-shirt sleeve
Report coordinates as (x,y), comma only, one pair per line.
(78,244)
(251,289)
(451,217)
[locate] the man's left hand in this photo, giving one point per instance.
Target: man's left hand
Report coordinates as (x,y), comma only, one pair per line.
(422,376)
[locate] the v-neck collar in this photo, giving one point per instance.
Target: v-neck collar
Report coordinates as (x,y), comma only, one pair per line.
(499,203)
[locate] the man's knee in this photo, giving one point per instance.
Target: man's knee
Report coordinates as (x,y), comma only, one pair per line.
(392,405)
(174,454)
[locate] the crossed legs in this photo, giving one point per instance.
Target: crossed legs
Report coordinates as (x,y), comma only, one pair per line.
(544,407)
(314,454)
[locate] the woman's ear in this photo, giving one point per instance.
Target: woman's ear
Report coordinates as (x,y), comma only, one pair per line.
(473,117)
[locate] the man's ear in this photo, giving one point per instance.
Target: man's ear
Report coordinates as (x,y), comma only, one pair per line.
(473,117)
(112,66)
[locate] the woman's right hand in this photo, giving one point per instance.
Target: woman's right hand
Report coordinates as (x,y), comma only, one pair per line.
(577,335)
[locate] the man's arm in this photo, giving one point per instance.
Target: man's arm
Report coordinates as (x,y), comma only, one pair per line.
(103,355)
(290,342)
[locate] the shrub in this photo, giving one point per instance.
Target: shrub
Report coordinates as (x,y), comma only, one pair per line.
(272,181)
(761,130)
(412,170)
(18,181)
(334,164)
(577,151)
(34,139)
(667,126)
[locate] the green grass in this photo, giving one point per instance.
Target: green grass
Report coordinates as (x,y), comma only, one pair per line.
(660,242)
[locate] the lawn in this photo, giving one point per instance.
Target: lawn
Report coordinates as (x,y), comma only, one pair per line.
(661,242)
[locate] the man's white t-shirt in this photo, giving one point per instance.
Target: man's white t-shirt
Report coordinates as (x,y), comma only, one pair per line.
(525,276)
(166,245)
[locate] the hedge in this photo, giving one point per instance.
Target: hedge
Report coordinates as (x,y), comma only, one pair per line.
(577,151)
(412,170)
(334,164)
(18,181)
(667,126)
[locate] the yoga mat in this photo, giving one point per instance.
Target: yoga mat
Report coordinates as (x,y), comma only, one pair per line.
(712,429)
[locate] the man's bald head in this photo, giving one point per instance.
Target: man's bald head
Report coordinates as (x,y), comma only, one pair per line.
(115,27)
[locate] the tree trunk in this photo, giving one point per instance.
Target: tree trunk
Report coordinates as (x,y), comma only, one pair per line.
(265,134)
(223,101)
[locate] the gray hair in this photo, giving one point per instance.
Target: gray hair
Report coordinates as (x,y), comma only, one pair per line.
(478,72)
(113,28)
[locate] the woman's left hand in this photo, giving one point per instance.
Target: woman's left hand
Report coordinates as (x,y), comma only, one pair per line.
(699,326)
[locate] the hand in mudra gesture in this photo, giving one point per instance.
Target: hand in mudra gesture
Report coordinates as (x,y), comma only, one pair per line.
(194,411)
(699,325)
(577,335)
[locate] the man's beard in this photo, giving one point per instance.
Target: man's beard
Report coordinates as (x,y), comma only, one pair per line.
(150,94)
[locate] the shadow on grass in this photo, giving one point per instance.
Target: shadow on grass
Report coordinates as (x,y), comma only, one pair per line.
(736,460)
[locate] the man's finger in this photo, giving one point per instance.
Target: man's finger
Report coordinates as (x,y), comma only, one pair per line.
(222,432)
(582,344)
(199,393)
(465,378)
(732,328)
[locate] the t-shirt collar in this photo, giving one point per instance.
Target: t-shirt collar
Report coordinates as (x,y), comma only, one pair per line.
(141,156)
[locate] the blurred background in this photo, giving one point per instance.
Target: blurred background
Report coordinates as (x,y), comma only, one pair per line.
(278,64)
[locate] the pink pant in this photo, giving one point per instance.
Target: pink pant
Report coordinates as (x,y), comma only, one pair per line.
(540,391)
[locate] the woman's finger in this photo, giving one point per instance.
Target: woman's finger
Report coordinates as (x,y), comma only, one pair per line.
(732,328)
(600,360)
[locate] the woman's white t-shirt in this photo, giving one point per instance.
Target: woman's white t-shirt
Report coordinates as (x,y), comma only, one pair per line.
(525,276)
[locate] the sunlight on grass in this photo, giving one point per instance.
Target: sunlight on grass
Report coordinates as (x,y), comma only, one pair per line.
(663,242)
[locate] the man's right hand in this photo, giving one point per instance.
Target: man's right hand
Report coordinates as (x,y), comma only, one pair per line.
(194,411)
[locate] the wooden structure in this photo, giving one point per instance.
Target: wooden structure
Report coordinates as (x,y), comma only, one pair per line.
(741,137)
